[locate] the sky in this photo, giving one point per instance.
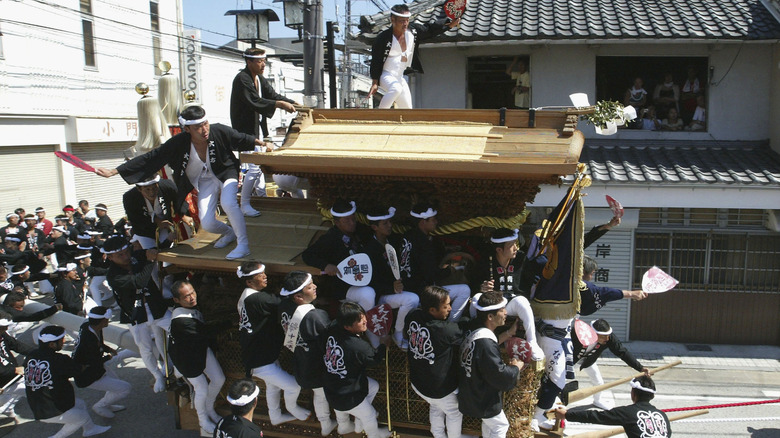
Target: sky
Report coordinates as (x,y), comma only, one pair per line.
(218,29)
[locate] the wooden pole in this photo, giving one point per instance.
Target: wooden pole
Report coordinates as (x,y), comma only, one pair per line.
(618,430)
(587,392)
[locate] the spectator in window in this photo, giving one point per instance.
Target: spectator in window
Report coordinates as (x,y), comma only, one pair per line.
(691,89)
(699,122)
(522,89)
(672,122)
(636,95)
(666,95)
(649,120)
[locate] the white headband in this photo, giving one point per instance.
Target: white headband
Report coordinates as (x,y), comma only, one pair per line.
(98,316)
(5,322)
(81,257)
(511,238)
(84,248)
(10,215)
(244,399)
(40,210)
(12,239)
(103,250)
(84,236)
(60,228)
(424,215)
(404,15)
(255,56)
(48,337)
(101,208)
(154,180)
(608,332)
(284,292)
(498,306)
(636,385)
(93,233)
(259,270)
(26,268)
(67,268)
(390,214)
(185,122)
(346,213)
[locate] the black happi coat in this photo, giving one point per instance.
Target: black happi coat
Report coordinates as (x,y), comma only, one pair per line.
(90,354)
(188,341)
(259,332)
(24,316)
(70,296)
(134,288)
(639,420)
(346,358)
(35,239)
(138,213)
(46,375)
(246,102)
(483,376)
(330,249)
(384,41)
(8,362)
(105,226)
(595,297)
(308,368)
(233,426)
(175,152)
(614,345)
(434,346)
(418,258)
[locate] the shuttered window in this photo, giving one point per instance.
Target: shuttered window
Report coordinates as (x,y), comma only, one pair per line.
(31,179)
(95,189)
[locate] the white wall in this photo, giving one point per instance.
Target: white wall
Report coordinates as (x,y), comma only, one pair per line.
(739,103)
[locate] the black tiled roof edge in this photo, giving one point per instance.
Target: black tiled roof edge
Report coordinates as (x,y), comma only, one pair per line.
(681,162)
(490,20)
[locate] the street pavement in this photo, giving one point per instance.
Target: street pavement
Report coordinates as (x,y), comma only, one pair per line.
(719,374)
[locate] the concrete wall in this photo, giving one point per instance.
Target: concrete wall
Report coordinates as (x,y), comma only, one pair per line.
(739,99)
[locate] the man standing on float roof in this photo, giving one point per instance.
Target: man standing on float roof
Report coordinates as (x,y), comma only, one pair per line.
(253,95)
(395,52)
(200,157)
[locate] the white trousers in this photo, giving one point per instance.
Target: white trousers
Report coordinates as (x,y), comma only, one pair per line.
(72,419)
(459,297)
(254,182)
(99,289)
(444,411)
(495,427)
(10,397)
(293,184)
(277,380)
(364,412)
(554,354)
(405,302)
(363,295)
(396,90)
(321,406)
(211,191)
(149,335)
(116,389)
(207,387)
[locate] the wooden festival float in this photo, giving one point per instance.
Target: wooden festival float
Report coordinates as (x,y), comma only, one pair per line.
(480,167)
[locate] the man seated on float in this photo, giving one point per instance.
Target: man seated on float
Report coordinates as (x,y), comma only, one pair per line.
(201,157)
(390,290)
(419,255)
(341,241)
(483,376)
(261,336)
(434,346)
(189,346)
(502,271)
(148,208)
(305,328)
(347,387)
(141,303)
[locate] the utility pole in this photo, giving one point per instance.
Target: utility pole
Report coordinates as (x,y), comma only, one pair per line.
(346,82)
(334,99)
(312,54)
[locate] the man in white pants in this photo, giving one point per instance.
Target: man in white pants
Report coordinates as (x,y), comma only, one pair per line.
(50,394)
(347,388)
(193,358)
(140,301)
(92,354)
(395,51)
(9,368)
(201,157)
(260,336)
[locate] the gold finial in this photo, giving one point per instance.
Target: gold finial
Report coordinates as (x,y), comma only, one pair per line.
(141,88)
(189,96)
(164,66)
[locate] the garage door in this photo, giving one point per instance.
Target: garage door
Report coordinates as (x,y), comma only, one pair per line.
(31,179)
(95,189)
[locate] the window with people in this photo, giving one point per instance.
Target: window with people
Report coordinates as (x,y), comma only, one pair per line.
(669,93)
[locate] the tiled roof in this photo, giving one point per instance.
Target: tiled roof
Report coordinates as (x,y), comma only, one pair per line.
(605,19)
(681,162)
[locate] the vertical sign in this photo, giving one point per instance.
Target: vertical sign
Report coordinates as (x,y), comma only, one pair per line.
(190,62)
